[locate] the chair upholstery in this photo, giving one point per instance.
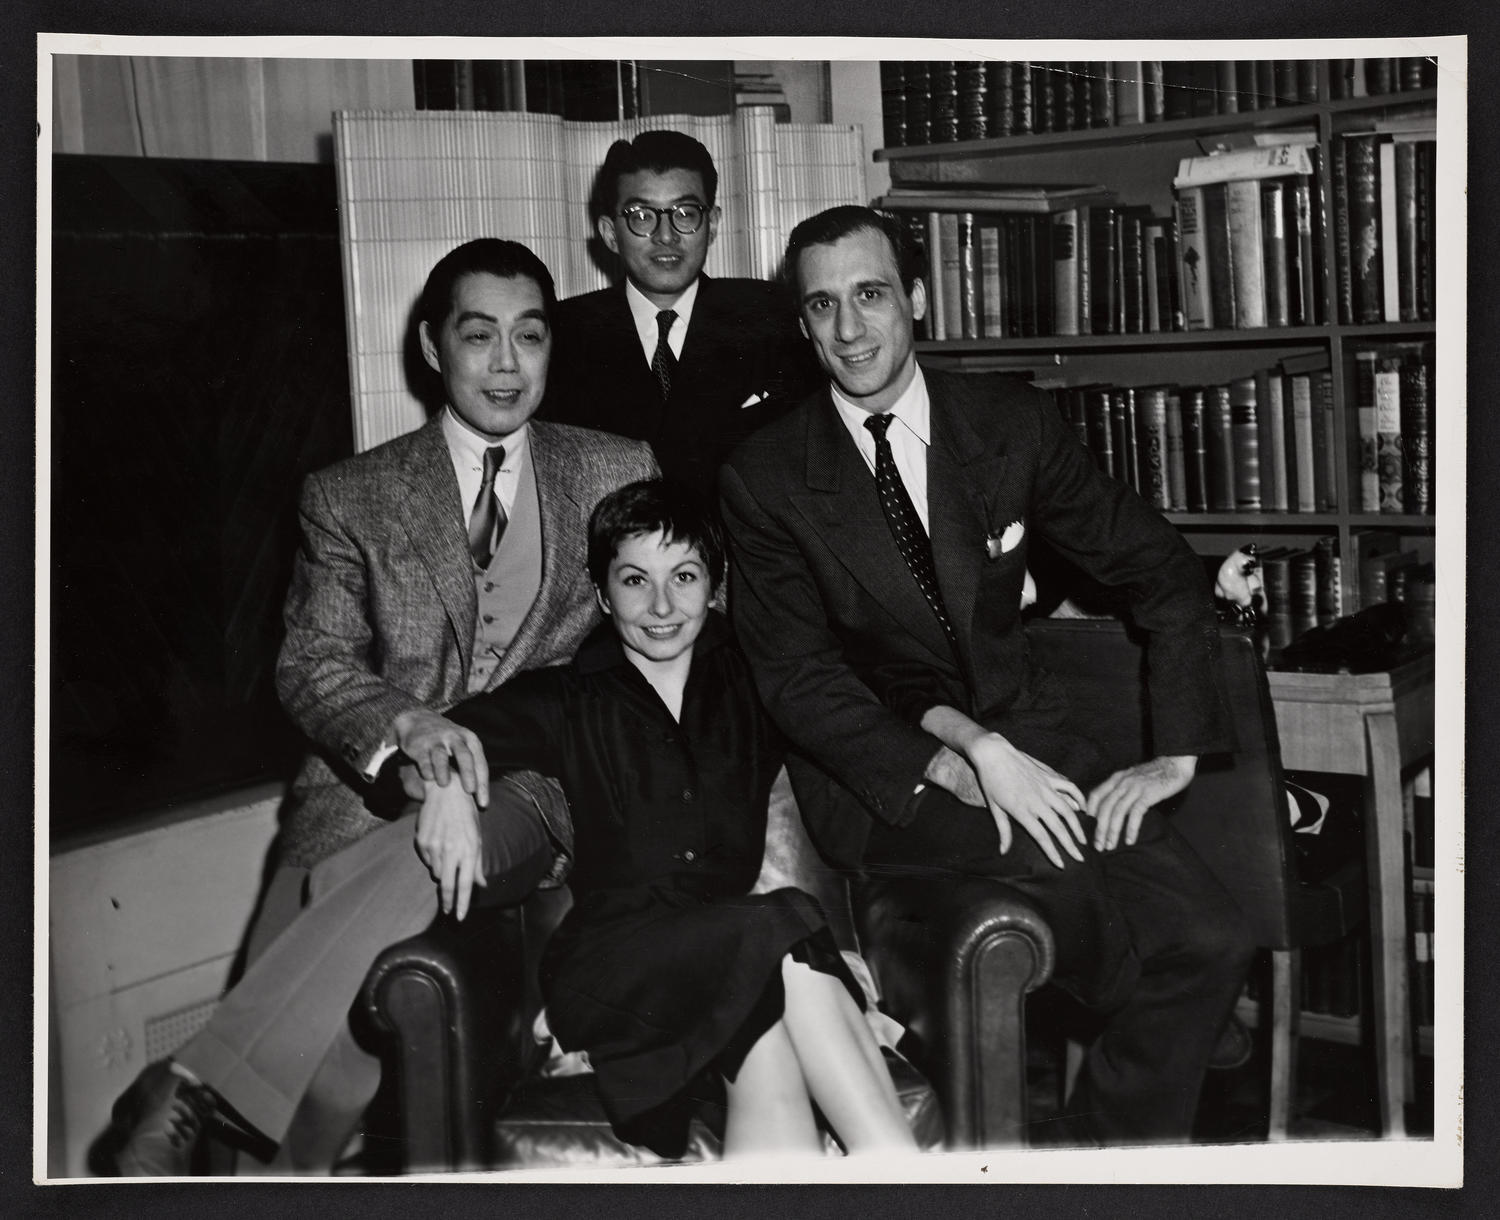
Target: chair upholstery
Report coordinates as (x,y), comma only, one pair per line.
(452,1010)
(1234,814)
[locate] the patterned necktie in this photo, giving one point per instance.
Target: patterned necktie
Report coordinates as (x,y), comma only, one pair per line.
(906,526)
(487,522)
(664,364)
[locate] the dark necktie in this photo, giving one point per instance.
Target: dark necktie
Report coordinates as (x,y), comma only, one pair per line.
(906,526)
(664,364)
(487,522)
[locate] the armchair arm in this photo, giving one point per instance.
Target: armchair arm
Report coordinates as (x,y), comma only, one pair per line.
(449,1009)
(955,959)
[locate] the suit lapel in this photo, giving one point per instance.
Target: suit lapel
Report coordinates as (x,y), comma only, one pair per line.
(964,473)
(563,534)
(434,520)
(841,504)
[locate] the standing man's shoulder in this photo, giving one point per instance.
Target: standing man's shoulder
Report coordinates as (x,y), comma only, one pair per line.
(588,305)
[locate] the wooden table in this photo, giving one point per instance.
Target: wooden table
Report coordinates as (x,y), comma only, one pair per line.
(1375,726)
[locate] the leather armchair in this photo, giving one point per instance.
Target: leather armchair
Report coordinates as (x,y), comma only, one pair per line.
(452,1013)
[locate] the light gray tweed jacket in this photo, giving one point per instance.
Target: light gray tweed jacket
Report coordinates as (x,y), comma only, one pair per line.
(380,613)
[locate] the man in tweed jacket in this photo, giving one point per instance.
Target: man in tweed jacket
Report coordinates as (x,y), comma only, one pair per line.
(434,566)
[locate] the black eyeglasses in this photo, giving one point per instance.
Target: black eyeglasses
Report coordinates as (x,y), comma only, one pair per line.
(642,219)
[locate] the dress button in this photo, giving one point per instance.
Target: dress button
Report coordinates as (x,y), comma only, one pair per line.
(690,856)
(489,586)
(489,618)
(687,796)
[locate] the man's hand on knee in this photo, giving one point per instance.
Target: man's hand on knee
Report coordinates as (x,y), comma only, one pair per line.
(1120,802)
(449,844)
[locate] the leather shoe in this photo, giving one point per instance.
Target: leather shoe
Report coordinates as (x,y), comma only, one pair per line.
(161,1117)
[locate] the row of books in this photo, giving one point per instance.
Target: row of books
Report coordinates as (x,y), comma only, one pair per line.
(1394,396)
(942,101)
(1385,221)
(1250,236)
(1254,444)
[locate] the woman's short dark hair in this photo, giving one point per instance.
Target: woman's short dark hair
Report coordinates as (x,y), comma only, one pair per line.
(647,507)
(494,255)
(656,151)
(834,224)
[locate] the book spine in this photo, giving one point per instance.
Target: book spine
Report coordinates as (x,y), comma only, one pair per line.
(1364,228)
(1246,432)
(1246,245)
(1083,101)
(1083,315)
(1100,436)
(968,278)
(1154,86)
(1321,239)
(1276,573)
(992,294)
(1177,494)
(1343,243)
(1325,447)
(1043,272)
(1274,249)
(1304,593)
(1044,104)
(1192,256)
(999,97)
(1245,86)
(1195,449)
(1021,98)
(953,322)
(1102,261)
(1134,446)
(1226,87)
(1405,157)
(1364,397)
(937,309)
(1302,287)
(1272,440)
(1010,244)
(943,88)
(1288,442)
(1132,268)
(1065,273)
(1130,100)
(893,102)
(1167,271)
(1286,82)
(1380,76)
(1101,96)
(1390,224)
(973,100)
(916,237)
(1221,269)
(918,102)
(1328,572)
(1426,168)
(1416,427)
(1303,452)
(1390,464)
(1151,252)
(1122,464)
(1151,432)
(1219,427)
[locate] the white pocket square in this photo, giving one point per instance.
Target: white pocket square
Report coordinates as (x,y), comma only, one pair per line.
(1009,539)
(753,399)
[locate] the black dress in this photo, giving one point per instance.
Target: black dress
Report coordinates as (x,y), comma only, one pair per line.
(666,971)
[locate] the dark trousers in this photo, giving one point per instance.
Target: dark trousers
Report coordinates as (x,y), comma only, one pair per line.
(1145,936)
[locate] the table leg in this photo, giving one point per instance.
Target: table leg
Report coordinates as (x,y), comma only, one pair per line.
(1386,866)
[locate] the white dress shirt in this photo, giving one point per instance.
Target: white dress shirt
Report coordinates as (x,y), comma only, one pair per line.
(643,313)
(466,448)
(909,434)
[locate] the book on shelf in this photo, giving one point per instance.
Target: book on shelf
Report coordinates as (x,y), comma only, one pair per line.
(1245,426)
(969,284)
(949,197)
(1325,448)
(1219,435)
(1246,253)
(1417,428)
(1065,272)
(1192,260)
(1328,573)
(1366,272)
(1273,436)
(1194,448)
(1301,470)
(1241,164)
(1276,579)
(937,320)
(1151,437)
(1390,464)
(1366,408)
(1274,252)
(952,293)
(1221,264)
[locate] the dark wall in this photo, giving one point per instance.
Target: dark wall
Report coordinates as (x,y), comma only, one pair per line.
(198,371)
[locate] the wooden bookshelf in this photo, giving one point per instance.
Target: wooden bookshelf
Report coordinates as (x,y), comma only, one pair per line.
(1138,161)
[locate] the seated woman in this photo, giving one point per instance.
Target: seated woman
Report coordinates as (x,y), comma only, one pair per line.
(667,970)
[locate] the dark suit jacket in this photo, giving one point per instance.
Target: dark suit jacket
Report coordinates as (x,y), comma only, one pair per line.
(380,612)
(847,653)
(742,341)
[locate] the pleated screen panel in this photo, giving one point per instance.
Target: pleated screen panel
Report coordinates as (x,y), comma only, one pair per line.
(413,185)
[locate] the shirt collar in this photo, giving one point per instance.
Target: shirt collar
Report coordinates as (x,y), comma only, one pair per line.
(468,447)
(601,649)
(644,312)
(913,408)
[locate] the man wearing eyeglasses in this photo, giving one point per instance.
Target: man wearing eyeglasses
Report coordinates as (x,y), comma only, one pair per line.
(671,356)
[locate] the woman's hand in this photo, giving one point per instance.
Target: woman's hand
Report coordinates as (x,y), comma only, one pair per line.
(1020,787)
(449,844)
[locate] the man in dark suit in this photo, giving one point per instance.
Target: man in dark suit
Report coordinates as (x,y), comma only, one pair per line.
(880,534)
(671,356)
(432,567)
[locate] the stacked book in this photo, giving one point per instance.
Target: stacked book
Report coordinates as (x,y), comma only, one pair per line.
(1027,261)
(1384,221)
(1249,234)
(1393,396)
(1263,443)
